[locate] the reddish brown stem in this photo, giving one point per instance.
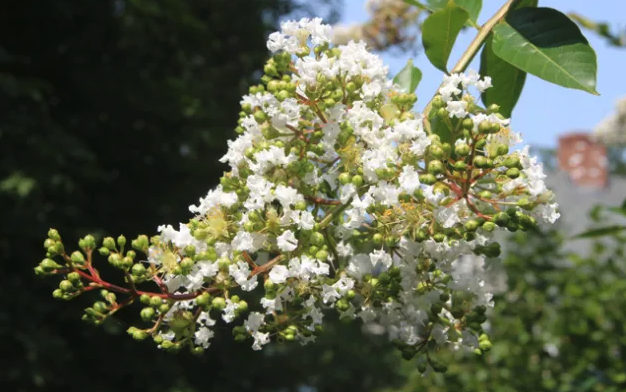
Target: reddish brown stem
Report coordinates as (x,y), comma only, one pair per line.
(324,201)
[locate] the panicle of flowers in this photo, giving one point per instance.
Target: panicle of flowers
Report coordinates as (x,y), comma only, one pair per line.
(390,23)
(337,200)
(612,129)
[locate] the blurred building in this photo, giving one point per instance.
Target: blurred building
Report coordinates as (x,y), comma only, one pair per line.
(581,180)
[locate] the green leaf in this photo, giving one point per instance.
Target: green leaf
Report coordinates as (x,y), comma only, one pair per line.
(439,32)
(508,80)
(524,3)
(473,7)
(547,44)
(441,128)
(601,232)
(409,77)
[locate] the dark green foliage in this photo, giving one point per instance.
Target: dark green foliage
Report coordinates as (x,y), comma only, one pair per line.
(113,115)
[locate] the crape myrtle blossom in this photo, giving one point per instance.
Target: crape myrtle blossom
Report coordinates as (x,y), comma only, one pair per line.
(612,129)
(337,199)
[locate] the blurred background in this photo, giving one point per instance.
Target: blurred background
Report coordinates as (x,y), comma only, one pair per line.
(113,114)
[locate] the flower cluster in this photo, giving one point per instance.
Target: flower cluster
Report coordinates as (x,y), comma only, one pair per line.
(390,24)
(612,129)
(337,199)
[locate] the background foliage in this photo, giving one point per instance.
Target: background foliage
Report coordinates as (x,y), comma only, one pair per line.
(112,117)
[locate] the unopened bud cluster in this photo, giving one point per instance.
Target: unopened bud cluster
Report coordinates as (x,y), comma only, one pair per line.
(337,200)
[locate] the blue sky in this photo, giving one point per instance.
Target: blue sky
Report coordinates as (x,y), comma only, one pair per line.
(544,110)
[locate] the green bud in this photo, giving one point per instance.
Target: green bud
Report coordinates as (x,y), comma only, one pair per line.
(493,108)
(511,162)
(489,226)
(144,299)
(427,179)
(109,243)
(203,299)
(501,219)
(438,102)
(242,306)
(484,127)
(357,180)
(481,162)
(468,124)
(138,334)
(344,178)
(58,294)
(260,116)
(49,265)
(485,194)
(147,314)
(73,277)
(121,241)
(460,166)
(321,255)
(155,301)
(436,167)
(138,269)
(513,173)
(462,149)
(66,286)
(471,225)
(485,345)
(391,241)
(219,303)
(436,151)
(53,234)
(317,239)
(439,237)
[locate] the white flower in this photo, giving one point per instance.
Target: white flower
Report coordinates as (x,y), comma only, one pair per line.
(287,241)
(279,274)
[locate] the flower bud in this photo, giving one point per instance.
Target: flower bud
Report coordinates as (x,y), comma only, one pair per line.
(357,180)
(109,243)
(317,239)
(438,102)
(481,162)
(512,162)
(147,314)
(471,225)
(219,303)
(501,219)
(460,166)
(138,269)
(484,127)
(321,255)
(49,265)
(436,167)
(462,149)
(344,178)
(66,286)
(436,151)
(54,235)
(155,301)
(513,173)
(427,179)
